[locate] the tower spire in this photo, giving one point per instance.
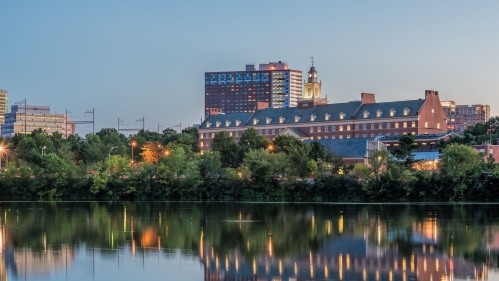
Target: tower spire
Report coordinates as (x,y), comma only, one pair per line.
(312,58)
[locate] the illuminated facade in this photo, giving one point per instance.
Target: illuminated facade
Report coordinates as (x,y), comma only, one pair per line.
(25,119)
(3,105)
(461,116)
(240,91)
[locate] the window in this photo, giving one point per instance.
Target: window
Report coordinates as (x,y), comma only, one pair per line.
(396,134)
(333,137)
(281,119)
(201,144)
(311,129)
(326,137)
(268,120)
(207,143)
(388,125)
(348,127)
(312,117)
(438,125)
(425,124)
(356,136)
(348,136)
(380,134)
(297,118)
(366,114)
(238,122)
(218,124)
(413,124)
(208,124)
(260,132)
(392,112)
(319,137)
(341,136)
(201,136)
(432,110)
(380,126)
(364,127)
(255,121)
(341,128)
(227,123)
(357,127)
(364,135)
(280,130)
(212,135)
(236,133)
(406,111)
(327,116)
(404,125)
(372,126)
(273,131)
(325,128)
(379,113)
(319,128)
(396,125)
(333,128)
(372,135)
(342,115)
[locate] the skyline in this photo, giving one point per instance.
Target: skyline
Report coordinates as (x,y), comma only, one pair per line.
(149,59)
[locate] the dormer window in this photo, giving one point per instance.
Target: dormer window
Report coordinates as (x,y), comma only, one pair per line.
(406,111)
(255,121)
(281,119)
(342,115)
(238,122)
(379,113)
(312,117)
(268,120)
(366,114)
(227,123)
(392,112)
(208,125)
(327,116)
(297,118)
(218,124)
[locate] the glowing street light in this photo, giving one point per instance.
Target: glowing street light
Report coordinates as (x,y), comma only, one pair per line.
(133,144)
(167,153)
(1,150)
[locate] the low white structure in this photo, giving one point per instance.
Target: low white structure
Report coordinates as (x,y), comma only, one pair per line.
(27,118)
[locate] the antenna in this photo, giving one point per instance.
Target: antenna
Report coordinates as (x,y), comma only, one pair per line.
(312,58)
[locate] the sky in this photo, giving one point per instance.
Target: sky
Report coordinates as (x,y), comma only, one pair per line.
(131,59)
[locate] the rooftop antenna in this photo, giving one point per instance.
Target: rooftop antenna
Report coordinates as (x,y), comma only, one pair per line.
(312,58)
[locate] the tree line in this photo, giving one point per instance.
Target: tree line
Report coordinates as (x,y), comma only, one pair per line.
(108,165)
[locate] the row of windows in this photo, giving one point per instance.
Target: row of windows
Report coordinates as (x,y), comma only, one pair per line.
(358,127)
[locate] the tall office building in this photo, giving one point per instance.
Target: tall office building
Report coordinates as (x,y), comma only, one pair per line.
(25,119)
(239,91)
(3,105)
(459,117)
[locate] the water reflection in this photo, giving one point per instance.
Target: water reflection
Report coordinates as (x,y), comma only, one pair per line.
(245,241)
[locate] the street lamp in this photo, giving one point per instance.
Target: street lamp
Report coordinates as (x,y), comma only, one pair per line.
(167,152)
(109,156)
(133,144)
(1,150)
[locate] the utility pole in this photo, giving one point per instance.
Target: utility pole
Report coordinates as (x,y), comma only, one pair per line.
(118,124)
(179,126)
(25,116)
(160,126)
(143,123)
(66,123)
(93,119)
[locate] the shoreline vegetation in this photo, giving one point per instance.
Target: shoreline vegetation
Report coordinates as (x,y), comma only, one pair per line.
(108,165)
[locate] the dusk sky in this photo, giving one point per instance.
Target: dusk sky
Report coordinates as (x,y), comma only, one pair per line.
(133,59)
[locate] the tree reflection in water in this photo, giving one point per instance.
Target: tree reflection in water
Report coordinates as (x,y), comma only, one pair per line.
(252,241)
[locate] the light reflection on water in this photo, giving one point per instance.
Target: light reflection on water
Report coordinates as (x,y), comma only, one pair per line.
(247,241)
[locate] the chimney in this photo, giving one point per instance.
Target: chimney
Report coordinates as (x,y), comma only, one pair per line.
(367,98)
(214,111)
(431,94)
(262,105)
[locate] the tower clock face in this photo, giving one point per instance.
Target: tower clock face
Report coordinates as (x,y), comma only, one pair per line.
(315,75)
(310,75)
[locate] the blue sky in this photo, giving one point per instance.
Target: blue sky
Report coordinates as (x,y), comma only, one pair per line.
(133,59)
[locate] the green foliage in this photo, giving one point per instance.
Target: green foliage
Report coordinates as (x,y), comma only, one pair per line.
(230,152)
(405,148)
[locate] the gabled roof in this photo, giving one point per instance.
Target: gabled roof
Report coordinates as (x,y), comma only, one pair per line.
(295,132)
(223,118)
(418,137)
(414,107)
(346,147)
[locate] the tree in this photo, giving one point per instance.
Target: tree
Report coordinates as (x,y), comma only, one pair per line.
(230,153)
(378,163)
(459,159)
(210,165)
(405,148)
(264,166)
(298,159)
(152,151)
(251,140)
(467,139)
(284,143)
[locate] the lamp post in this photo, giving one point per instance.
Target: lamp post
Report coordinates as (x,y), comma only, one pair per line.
(109,155)
(133,144)
(1,150)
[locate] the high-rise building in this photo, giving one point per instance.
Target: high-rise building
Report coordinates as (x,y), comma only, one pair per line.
(240,91)
(27,118)
(3,105)
(459,117)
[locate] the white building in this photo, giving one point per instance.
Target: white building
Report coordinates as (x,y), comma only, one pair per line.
(27,118)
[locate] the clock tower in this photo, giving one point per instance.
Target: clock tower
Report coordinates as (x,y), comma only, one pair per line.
(312,88)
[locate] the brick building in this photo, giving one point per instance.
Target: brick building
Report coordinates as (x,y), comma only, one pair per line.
(239,91)
(459,117)
(314,119)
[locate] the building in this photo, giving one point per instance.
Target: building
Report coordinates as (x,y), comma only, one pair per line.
(239,91)
(459,117)
(3,105)
(27,118)
(352,150)
(314,119)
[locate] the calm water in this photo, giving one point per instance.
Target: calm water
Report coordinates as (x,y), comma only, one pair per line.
(247,241)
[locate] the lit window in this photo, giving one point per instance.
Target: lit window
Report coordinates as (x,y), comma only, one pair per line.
(342,115)
(319,137)
(208,124)
(230,133)
(201,136)
(238,122)
(392,112)
(281,119)
(255,121)
(212,135)
(438,125)
(425,124)
(348,136)
(333,137)
(406,111)
(341,128)
(218,124)
(327,116)
(319,128)
(413,124)
(379,113)
(311,129)
(312,117)
(297,118)
(348,127)
(227,123)
(341,136)
(396,124)
(366,114)
(268,120)
(404,125)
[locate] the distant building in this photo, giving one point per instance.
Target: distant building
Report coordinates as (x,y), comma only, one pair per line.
(459,117)
(25,119)
(3,105)
(239,91)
